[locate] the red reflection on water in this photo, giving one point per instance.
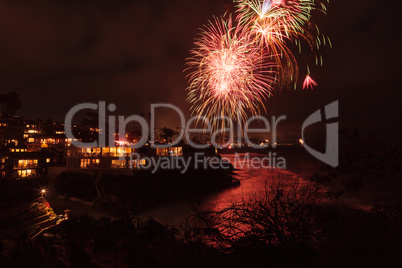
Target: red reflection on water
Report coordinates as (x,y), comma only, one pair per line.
(252,181)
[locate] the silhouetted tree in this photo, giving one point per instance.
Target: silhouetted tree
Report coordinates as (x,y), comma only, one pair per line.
(10,103)
(168,134)
(91,120)
(48,127)
(280,214)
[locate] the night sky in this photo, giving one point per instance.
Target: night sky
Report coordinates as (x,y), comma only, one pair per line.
(58,53)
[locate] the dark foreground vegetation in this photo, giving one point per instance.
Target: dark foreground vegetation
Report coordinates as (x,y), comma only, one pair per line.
(283,227)
(119,194)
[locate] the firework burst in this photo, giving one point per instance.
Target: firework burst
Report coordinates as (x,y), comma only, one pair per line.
(236,63)
(275,23)
(228,75)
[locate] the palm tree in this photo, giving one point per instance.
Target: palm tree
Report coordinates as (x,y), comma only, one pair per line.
(168,134)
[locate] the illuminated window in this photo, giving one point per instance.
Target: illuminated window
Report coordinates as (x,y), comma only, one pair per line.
(119,164)
(86,163)
(27,163)
(120,151)
(24,173)
(47,160)
(114,152)
(171,151)
(86,151)
(105,151)
(96,150)
(139,162)
(13,141)
(31,140)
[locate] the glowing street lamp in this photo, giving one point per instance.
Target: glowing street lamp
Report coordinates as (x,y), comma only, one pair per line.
(43,191)
(301,142)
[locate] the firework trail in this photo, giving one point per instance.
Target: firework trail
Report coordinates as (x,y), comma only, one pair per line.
(309,82)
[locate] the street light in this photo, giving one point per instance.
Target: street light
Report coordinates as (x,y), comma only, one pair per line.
(43,191)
